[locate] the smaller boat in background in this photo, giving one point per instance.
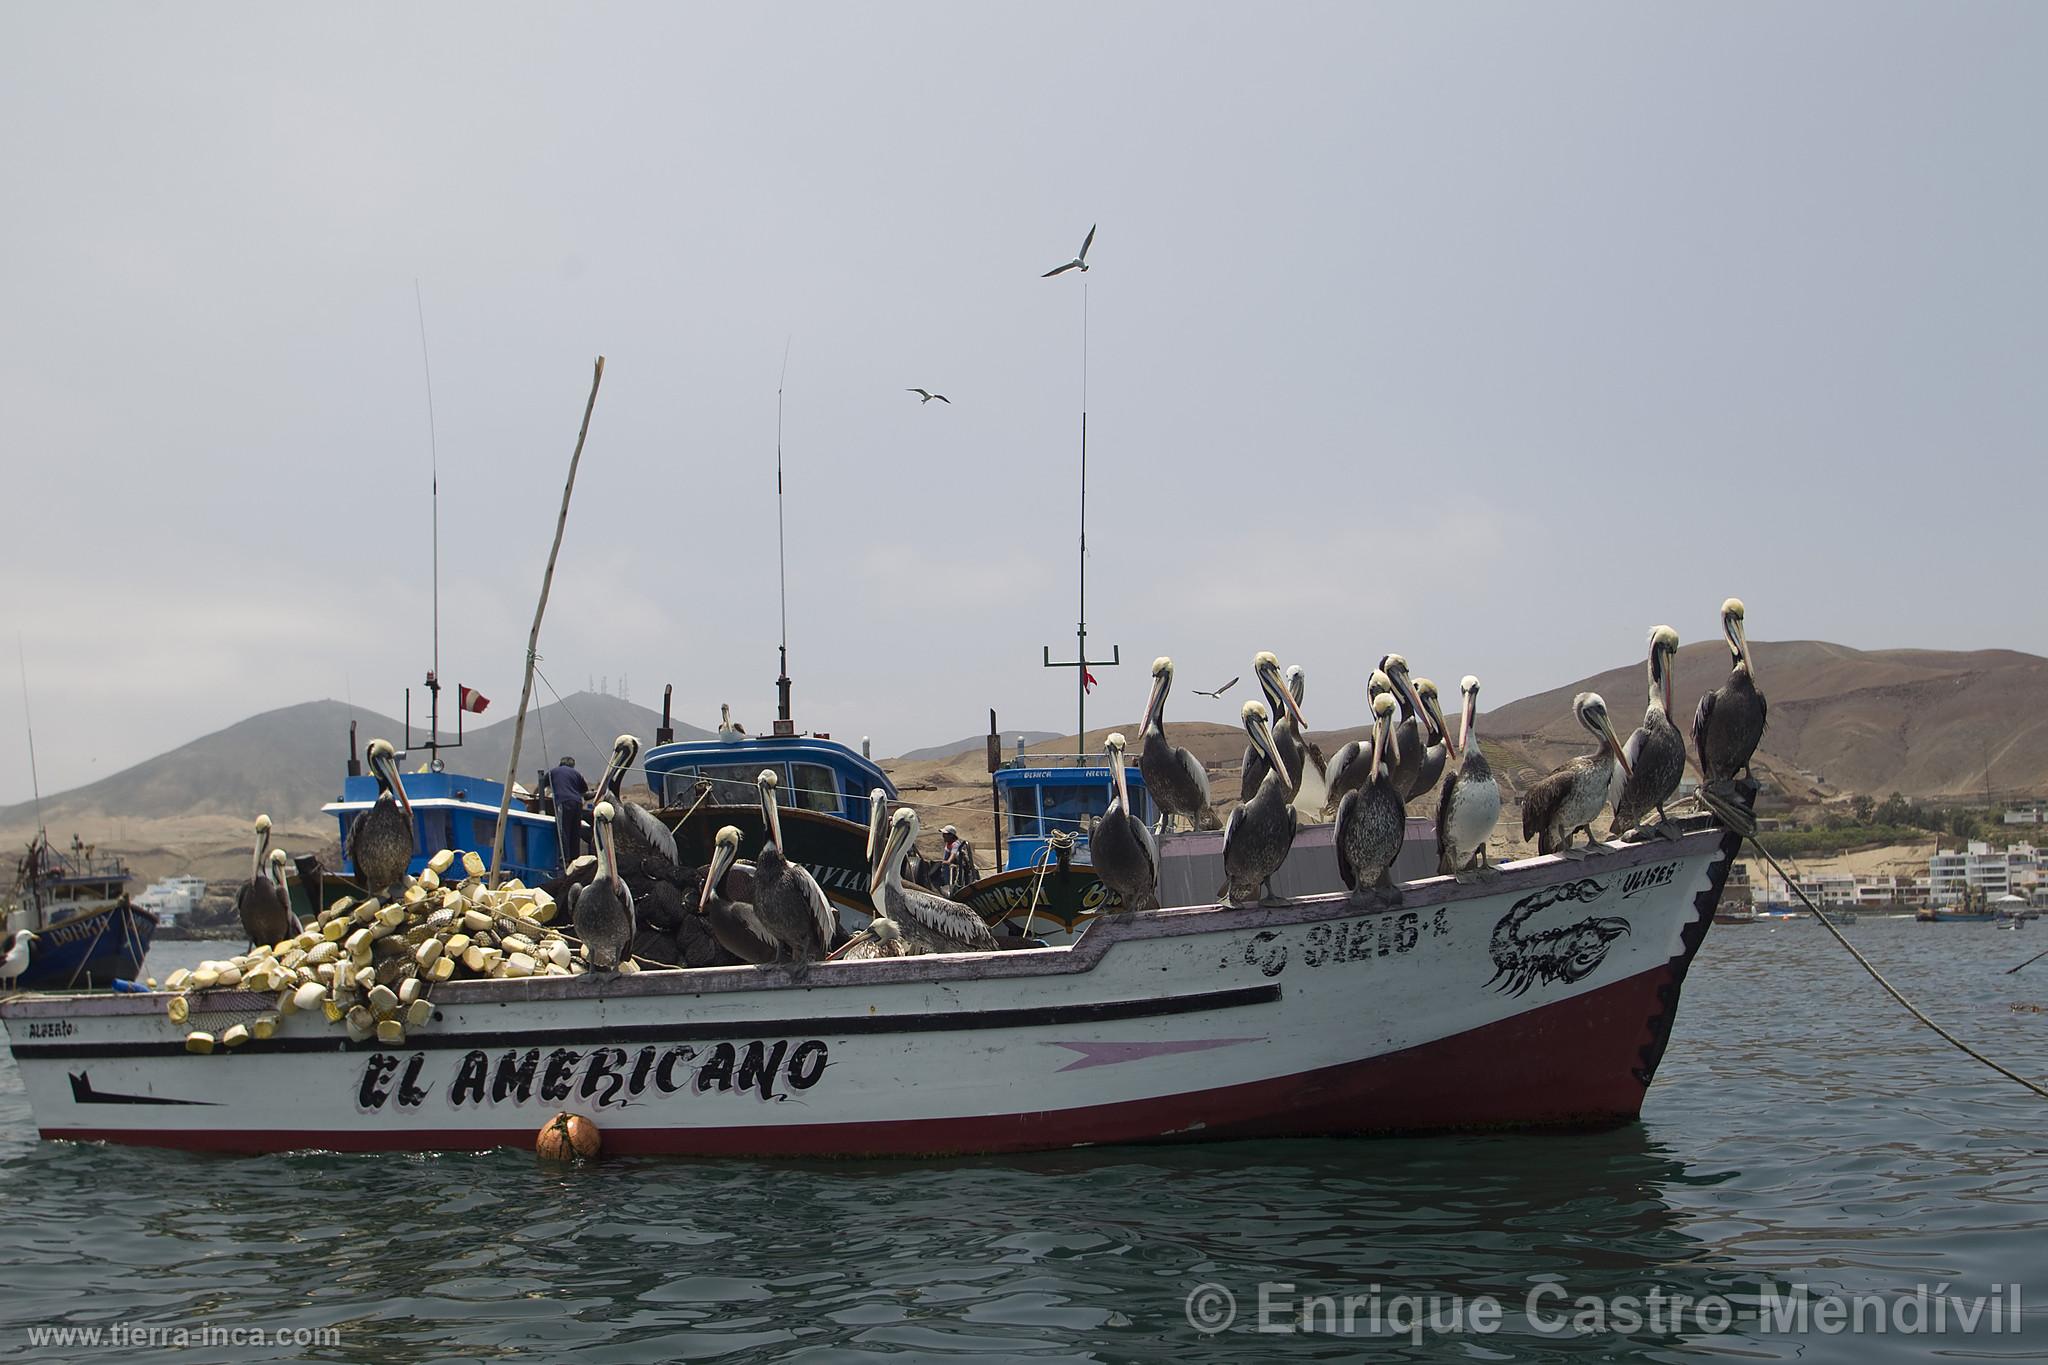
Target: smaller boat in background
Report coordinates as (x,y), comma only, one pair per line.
(87,932)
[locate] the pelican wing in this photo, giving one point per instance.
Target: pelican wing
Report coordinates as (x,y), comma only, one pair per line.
(949,919)
(1197,774)
(821,909)
(1633,751)
(1344,867)
(1542,799)
(648,826)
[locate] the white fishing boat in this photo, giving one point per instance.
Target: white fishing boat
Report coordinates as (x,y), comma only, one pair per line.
(1541,997)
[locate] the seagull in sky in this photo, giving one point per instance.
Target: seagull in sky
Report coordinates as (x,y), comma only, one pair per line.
(1219,691)
(925,396)
(1080,262)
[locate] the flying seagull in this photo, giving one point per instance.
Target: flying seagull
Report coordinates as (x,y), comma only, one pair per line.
(925,396)
(1080,262)
(1218,692)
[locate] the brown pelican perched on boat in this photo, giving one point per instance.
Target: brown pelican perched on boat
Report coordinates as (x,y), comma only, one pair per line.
(1303,759)
(788,901)
(381,842)
(262,904)
(1123,850)
(1261,830)
(929,922)
(1178,783)
(733,922)
(1470,805)
(1730,721)
(1416,759)
(1347,771)
(1570,798)
(1655,752)
(1372,820)
(603,911)
(646,847)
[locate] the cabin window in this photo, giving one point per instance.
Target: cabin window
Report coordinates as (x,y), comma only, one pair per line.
(732,784)
(1070,808)
(814,787)
(1024,813)
(434,833)
(679,787)
(484,829)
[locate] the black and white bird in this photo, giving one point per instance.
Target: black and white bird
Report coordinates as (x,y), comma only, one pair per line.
(646,847)
(1655,752)
(1570,798)
(1372,821)
(17,959)
(381,842)
(602,911)
(264,903)
(788,901)
(732,921)
(1730,721)
(1079,262)
(1261,831)
(1218,692)
(1123,850)
(1469,807)
(1347,771)
(1178,783)
(926,395)
(929,922)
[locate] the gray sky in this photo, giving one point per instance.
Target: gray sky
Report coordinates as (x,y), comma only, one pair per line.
(1496,334)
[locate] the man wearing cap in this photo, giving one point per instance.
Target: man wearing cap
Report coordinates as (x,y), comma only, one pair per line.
(570,793)
(956,862)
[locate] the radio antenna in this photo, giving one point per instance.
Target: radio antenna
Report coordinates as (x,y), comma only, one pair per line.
(782,716)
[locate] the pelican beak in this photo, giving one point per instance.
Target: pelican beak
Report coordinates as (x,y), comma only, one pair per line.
(1607,733)
(397,783)
(892,852)
(1293,707)
(721,861)
(1155,701)
(1740,634)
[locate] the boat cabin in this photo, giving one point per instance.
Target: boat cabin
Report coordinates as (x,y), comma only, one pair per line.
(814,773)
(452,810)
(1040,801)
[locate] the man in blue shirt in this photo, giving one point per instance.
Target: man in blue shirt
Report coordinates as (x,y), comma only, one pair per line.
(570,793)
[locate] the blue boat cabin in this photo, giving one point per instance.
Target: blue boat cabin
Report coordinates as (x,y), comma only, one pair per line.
(452,810)
(812,773)
(1041,801)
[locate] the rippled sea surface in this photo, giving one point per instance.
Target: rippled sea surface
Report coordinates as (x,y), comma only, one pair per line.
(1803,1131)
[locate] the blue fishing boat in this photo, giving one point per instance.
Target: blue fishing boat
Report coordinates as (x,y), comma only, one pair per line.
(87,933)
(456,810)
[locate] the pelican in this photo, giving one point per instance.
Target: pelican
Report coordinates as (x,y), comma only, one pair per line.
(1176,779)
(263,903)
(878,839)
(1470,805)
(1570,798)
(733,923)
(646,847)
(1306,769)
(381,842)
(1125,855)
(603,911)
(728,728)
(929,922)
(1347,771)
(1079,262)
(1372,820)
(883,937)
(788,901)
(16,961)
(925,396)
(1261,830)
(1417,757)
(1655,752)
(1731,718)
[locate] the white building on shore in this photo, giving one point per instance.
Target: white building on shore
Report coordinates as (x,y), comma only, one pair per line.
(2018,869)
(172,898)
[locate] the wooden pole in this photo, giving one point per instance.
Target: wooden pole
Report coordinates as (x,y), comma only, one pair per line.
(547,581)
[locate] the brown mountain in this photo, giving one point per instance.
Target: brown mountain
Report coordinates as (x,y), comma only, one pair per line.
(1920,721)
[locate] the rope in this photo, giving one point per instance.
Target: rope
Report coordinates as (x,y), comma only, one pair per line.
(1890,989)
(1060,839)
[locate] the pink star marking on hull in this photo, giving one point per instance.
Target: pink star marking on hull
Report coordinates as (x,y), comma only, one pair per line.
(1109,1054)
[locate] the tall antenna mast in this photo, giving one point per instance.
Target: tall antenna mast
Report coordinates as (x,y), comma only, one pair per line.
(35,784)
(1081,662)
(434,456)
(784,725)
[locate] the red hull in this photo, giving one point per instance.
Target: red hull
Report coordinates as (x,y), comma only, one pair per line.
(1580,1063)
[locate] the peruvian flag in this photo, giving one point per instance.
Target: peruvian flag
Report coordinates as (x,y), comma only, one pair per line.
(470,699)
(1087,681)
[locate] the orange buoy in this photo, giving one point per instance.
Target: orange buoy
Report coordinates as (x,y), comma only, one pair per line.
(567,1137)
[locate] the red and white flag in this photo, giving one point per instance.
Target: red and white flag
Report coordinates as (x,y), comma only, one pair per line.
(470,699)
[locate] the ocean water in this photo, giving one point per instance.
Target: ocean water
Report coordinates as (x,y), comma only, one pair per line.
(1802,1132)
